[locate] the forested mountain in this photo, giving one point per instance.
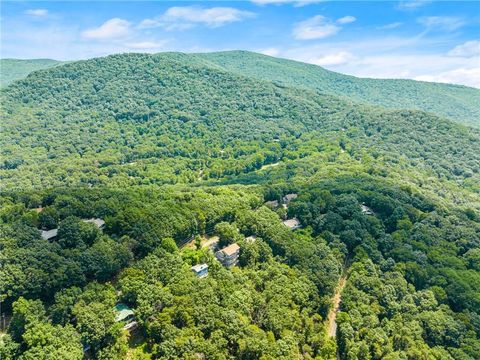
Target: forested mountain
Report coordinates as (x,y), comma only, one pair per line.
(459,103)
(177,152)
(14,69)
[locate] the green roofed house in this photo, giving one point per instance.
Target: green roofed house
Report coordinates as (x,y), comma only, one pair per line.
(124,313)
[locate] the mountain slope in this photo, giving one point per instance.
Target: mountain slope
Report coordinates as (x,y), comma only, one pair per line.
(459,103)
(172,108)
(14,69)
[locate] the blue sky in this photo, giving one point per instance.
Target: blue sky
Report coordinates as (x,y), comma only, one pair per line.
(424,40)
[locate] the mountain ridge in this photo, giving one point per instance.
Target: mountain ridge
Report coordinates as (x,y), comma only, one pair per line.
(457,102)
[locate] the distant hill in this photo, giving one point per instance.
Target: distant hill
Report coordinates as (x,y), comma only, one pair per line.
(456,102)
(459,103)
(174,109)
(14,69)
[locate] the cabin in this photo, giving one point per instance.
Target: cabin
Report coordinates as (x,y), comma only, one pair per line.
(125,314)
(229,256)
(272,204)
(292,224)
(366,210)
(50,235)
(289,197)
(200,270)
(100,223)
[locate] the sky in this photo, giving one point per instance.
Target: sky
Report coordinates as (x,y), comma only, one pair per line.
(414,39)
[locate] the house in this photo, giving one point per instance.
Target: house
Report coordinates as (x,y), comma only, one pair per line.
(125,314)
(292,223)
(366,210)
(100,223)
(272,204)
(200,270)
(229,256)
(289,197)
(251,238)
(49,235)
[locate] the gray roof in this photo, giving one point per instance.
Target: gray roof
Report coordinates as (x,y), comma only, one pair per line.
(49,234)
(199,267)
(292,223)
(289,197)
(96,221)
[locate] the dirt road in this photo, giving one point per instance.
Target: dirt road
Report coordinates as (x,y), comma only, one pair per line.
(336,300)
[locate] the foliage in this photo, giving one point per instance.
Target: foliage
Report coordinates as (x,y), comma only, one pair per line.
(170,148)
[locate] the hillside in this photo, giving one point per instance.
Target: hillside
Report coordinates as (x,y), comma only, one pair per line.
(152,108)
(142,166)
(14,69)
(455,102)
(459,103)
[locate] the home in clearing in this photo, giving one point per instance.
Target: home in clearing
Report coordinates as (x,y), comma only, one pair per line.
(200,270)
(229,256)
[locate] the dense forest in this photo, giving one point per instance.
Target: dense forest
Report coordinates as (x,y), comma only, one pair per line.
(142,166)
(456,102)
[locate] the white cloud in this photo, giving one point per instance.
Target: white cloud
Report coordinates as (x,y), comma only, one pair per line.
(467,49)
(347,19)
(146,45)
(184,17)
(270,51)
(389,57)
(448,23)
(469,77)
(390,26)
(317,27)
(338,58)
(412,5)
(110,29)
(36,12)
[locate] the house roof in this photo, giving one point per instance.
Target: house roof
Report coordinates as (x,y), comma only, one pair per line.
(272,203)
(292,223)
(231,249)
(49,234)
(96,221)
(123,311)
(366,210)
(199,267)
(289,197)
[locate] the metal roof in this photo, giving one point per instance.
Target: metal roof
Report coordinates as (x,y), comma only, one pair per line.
(49,234)
(199,267)
(96,221)
(123,311)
